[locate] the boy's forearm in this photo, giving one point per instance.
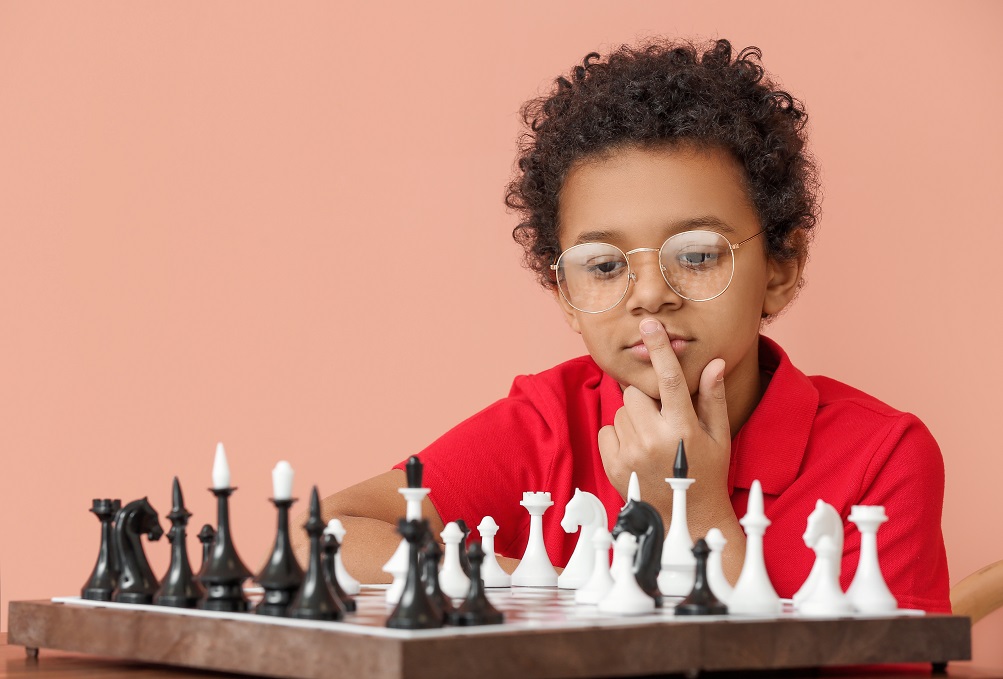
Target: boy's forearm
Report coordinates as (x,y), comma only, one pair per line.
(369,543)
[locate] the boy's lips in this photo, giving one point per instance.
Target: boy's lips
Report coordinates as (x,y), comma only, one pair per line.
(639,351)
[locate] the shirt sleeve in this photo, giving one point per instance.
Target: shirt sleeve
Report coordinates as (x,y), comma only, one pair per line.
(906,477)
(482,466)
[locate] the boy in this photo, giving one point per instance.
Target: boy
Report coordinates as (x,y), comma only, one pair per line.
(668,202)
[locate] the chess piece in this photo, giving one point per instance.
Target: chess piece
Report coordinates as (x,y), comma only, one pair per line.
(464,561)
(414,609)
(453,581)
(329,547)
(626,597)
(179,587)
(223,573)
(492,573)
(282,574)
(599,584)
(430,555)
(868,592)
(715,569)
(347,582)
(644,522)
(206,536)
(754,593)
(826,599)
(100,586)
(678,565)
(315,599)
(633,488)
(824,520)
(476,609)
(136,582)
(585,510)
(535,569)
(413,495)
(701,601)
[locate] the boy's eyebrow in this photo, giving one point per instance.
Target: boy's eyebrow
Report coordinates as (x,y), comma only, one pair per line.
(703,222)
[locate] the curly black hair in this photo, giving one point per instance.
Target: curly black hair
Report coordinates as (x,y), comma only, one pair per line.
(666,92)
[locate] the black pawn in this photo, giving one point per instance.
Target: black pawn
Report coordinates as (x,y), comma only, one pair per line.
(223,574)
(414,610)
(331,546)
(476,609)
(464,560)
(430,555)
(414,471)
(179,587)
(104,578)
(206,536)
(680,468)
(701,600)
(315,600)
(282,575)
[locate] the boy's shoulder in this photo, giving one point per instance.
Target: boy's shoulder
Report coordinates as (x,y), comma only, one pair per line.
(575,390)
(835,394)
(832,395)
(572,376)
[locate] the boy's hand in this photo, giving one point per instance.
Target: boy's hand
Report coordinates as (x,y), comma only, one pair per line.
(643,437)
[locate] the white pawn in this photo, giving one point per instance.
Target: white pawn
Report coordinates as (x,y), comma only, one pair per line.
(868,592)
(452,580)
(626,597)
(593,591)
(535,569)
(491,572)
(826,598)
(397,566)
(585,510)
(347,582)
(754,593)
(716,579)
(824,520)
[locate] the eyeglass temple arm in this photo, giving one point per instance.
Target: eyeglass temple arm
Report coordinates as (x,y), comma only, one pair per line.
(736,245)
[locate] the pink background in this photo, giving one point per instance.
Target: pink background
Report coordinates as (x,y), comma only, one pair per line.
(280,225)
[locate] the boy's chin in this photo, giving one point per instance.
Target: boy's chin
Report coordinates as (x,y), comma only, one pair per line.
(649,386)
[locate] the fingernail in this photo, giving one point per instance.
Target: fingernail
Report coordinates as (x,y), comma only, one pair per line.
(650,326)
(720,375)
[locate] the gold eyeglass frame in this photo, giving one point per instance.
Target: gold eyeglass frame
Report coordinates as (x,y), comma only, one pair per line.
(632,276)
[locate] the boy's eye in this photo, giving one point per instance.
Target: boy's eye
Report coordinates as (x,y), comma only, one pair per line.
(698,258)
(605,268)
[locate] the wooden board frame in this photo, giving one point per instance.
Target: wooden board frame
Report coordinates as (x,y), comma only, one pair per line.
(627,648)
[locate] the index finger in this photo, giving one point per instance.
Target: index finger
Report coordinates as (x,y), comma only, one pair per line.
(672,388)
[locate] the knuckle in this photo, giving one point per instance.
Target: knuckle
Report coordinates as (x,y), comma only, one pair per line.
(671,381)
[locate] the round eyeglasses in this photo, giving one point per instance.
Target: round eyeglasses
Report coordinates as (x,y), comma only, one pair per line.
(697,265)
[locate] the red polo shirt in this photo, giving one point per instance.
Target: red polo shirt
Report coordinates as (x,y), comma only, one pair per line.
(809,438)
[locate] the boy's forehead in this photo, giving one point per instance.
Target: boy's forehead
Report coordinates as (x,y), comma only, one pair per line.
(654,192)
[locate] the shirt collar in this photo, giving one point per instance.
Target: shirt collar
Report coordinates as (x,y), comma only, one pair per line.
(771,444)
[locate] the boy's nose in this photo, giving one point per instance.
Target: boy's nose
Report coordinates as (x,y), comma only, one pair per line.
(647,289)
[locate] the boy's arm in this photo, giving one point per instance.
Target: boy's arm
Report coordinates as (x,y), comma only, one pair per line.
(369,511)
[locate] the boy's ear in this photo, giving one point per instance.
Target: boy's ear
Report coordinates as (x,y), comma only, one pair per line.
(570,317)
(782,279)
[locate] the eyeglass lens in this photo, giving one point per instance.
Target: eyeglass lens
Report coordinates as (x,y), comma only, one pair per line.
(697,265)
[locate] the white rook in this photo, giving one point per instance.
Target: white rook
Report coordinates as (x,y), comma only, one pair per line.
(535,569)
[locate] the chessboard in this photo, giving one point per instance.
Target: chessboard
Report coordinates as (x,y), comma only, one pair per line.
(545,634)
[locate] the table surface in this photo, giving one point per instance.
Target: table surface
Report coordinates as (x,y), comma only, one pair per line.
(16,663)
